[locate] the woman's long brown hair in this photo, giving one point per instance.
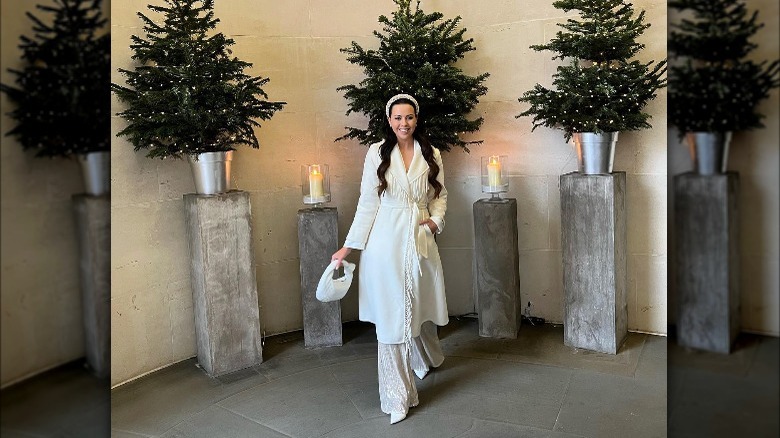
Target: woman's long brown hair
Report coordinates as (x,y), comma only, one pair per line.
(427,152)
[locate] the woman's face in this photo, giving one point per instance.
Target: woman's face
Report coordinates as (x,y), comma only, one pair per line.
(403,120)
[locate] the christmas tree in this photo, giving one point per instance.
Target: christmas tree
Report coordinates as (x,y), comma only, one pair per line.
(415,56)
(189,95)
(62,93)
(713,88)
(600,89)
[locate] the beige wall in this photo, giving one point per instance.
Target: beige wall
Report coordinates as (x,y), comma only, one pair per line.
(755,156)
(41,303)
(297,44)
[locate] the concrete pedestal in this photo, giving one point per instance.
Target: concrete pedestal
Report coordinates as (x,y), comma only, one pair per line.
(224,286)
(707,257)
(318,235)
(496,276)
(593,239)
(93,225)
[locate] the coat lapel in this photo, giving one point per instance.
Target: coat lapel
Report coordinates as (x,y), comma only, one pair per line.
(417,168)
(418,165)
(398,170)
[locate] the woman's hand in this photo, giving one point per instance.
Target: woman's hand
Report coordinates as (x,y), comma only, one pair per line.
(431,225)
(340,255)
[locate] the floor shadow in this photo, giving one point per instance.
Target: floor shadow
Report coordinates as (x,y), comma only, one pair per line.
(67,401)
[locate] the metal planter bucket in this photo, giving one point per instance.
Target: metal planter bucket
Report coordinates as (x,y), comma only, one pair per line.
(709,151)
(96,172)
(595,152)
(211,171)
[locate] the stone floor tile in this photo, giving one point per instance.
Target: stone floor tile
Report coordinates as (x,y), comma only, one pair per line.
(94,422)
(651,365)
(283,345)
(237,376)
(156,403)
(217,421)
(301,405)
(362,351)
(365,394)
(604,405)
(365,397)
(543,344)
(416,424)
(336,354)
(364,370)
(539,414)
(767,360)
(460,338)
(290,361)
(116,433)
(503,380)
(492,429)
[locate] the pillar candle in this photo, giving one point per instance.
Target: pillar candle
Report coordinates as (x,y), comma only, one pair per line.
(494,171)
(315,182)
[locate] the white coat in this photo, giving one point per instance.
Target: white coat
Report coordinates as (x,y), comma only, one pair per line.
(400,272)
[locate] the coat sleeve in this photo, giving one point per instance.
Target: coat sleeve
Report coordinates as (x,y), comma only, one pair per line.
(368,203)
(438,206)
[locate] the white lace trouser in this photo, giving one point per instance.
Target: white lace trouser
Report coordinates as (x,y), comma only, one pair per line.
(397,390)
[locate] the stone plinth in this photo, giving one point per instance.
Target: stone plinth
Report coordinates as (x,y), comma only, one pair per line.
(224,286)
(707,257)
(593,243)
(318,235)
(496,276)
(93,225)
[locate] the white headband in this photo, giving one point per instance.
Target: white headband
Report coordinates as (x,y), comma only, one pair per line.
(402,96)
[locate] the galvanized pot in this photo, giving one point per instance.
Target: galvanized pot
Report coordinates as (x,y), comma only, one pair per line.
(709,151)
(96,172)
(211,171)
(595,151)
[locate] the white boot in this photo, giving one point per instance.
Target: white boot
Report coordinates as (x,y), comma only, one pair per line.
(396,417)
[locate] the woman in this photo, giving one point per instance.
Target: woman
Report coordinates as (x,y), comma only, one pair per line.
(402,204)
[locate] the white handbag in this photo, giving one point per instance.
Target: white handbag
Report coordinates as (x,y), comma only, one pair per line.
(332,289)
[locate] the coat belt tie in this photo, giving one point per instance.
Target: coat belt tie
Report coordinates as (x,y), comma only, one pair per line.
(418,241)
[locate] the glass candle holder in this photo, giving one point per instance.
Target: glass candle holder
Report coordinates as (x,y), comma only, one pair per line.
(315,183)
(494,180)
